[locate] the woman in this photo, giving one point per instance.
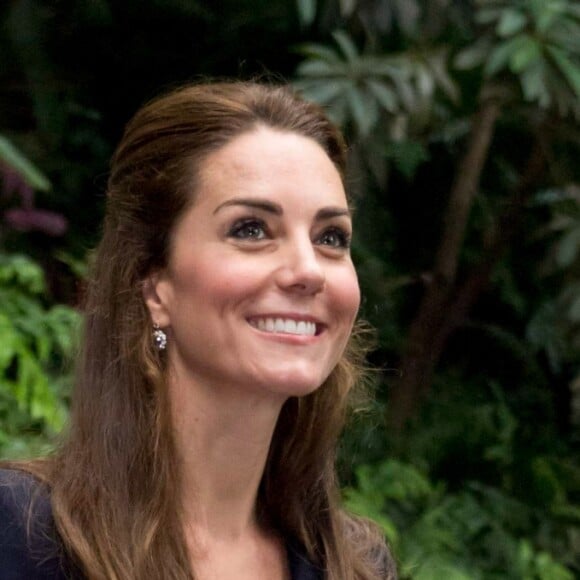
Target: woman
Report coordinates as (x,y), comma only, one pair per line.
(217,360)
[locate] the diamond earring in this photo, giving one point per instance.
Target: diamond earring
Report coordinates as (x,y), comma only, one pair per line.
(159,337)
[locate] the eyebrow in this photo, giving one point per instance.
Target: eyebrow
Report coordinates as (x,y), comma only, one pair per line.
(276,209)
(262,204)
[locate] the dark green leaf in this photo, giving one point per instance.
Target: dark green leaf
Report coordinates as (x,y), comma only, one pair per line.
(306,11)
(319,51)
(346,44)
(569,70)
(488,15)
(384,95)
(474,55)
(574,310)
(568,248)
(347,7)
(363,109)
(324,91)
(30,173)
(534,85)
(501,55)
(407,156)
(318,68)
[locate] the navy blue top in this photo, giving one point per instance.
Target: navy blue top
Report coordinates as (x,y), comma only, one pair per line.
(30,548)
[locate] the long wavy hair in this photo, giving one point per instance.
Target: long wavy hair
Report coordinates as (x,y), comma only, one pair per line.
(115,480)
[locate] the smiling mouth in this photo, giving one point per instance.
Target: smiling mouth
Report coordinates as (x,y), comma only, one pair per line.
(285,326)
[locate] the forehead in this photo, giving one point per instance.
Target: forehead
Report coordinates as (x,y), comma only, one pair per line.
(270,162)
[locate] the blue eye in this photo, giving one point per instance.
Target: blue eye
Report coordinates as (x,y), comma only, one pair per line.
(248,229)
(335,238)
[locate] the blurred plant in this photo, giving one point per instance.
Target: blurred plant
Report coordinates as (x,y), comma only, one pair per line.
(537,43)
(20,177)
(555,326)
(390,101)
(370,91)
(36,344)
(36,340)
(382,16)
(472,534)
(522,36)
(379,99)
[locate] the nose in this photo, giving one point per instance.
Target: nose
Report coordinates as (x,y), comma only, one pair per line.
(301,271)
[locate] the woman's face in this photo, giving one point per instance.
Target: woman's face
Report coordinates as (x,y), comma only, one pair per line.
(260,292)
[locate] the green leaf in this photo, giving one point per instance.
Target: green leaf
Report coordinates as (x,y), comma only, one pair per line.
(488,15)
(500,56)
(372,508)
(574,310)
(63,323)
(548,486)
(438,569)
(406,91)
(318,51)
(572,10)
(306,11)
(29,172)
(384,95)
(384,66)
(21,271)
(440,71)
(567,37)
(533,84)
(568,248)
(407,156)
(364,110)
(347,7)
(338,110)
(346,45)
(510,22)
(78,266)
(528,50)
(547,13)
(569,70)
(567,512)
(43,347)
(424,81)
(473,56)
(548,569)
(317,68)
(9,341)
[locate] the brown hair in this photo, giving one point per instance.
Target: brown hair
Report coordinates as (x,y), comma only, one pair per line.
(115,480)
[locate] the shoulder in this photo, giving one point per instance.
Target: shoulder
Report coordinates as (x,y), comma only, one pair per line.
(300,566)
(22,498)
(28,545)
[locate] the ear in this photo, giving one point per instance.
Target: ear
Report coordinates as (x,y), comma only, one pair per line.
(155,294)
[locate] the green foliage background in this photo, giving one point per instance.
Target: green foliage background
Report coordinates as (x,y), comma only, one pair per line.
(481,480)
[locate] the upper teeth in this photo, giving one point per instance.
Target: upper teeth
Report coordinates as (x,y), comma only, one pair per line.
(285,325)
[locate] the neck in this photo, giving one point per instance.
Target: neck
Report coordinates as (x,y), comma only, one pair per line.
(222,437)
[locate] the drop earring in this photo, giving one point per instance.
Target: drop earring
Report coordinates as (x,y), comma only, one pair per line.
(159,337)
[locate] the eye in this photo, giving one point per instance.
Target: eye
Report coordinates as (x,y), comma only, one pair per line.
(335,238)
(248,229)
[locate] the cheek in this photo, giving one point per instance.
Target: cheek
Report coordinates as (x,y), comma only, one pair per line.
(346,295)
(219,281)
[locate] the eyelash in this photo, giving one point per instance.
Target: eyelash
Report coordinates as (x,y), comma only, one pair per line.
(240,230)
(239,226)
(342,235)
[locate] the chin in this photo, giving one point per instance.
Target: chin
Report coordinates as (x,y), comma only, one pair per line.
(296,385)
